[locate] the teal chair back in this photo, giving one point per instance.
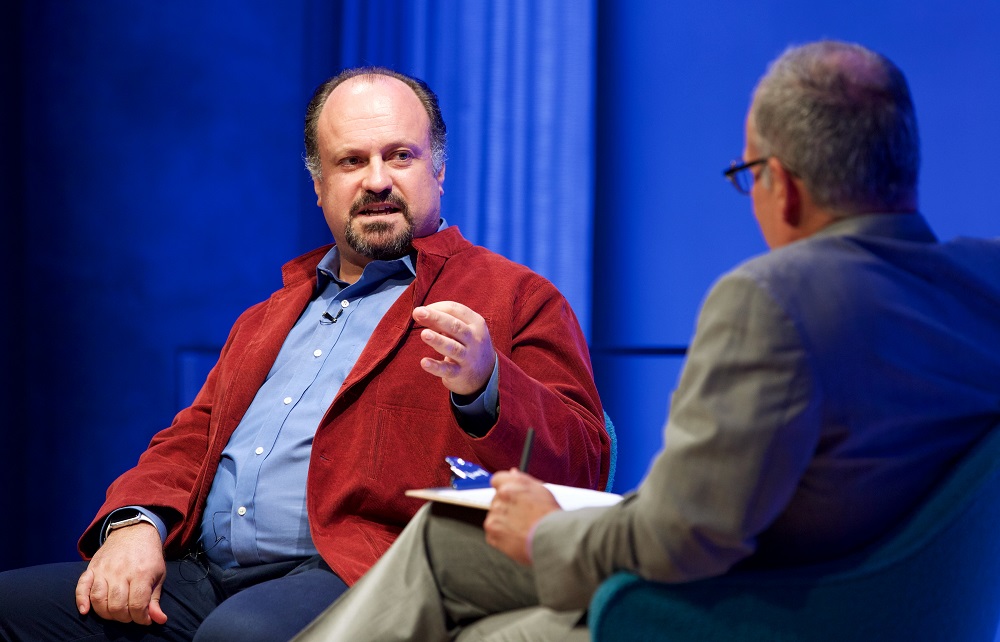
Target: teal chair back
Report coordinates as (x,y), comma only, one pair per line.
(610,428)
(936,577)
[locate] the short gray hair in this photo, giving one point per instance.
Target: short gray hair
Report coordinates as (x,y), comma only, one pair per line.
(840,117)
(438,131)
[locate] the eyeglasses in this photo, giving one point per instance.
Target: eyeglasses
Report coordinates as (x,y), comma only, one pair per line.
(740,176)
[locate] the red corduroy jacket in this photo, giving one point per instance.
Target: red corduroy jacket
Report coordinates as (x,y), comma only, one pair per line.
(391,424)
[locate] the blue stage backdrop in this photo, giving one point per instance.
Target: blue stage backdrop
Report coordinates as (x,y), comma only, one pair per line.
(153,186)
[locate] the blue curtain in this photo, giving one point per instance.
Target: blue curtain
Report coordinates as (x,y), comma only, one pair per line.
(516,82)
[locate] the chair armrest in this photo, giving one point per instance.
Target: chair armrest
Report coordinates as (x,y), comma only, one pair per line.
(627,607)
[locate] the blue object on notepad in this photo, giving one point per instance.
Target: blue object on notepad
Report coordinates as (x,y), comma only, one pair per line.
(465,474)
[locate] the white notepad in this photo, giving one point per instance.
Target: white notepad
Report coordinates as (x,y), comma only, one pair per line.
(569,497)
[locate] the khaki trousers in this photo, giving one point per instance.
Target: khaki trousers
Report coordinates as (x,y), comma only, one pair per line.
(440,580)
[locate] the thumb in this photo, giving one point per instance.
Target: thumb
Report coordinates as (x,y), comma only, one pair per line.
(156,613)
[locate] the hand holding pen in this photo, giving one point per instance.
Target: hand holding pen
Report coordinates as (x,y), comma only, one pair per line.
(521,501)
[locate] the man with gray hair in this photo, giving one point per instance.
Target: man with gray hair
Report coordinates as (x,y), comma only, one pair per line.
(829,384)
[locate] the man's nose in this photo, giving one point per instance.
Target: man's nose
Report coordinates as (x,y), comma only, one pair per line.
(377,177)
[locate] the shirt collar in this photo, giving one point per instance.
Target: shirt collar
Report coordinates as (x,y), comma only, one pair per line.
(908,226)
(327,268)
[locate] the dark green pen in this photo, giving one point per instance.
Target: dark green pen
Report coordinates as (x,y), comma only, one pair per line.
(526,453)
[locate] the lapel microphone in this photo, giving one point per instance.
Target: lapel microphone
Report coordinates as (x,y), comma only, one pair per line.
(327,318)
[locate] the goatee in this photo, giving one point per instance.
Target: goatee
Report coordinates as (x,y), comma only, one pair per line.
(375,239)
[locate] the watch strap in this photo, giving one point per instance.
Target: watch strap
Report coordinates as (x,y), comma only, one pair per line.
(127,518)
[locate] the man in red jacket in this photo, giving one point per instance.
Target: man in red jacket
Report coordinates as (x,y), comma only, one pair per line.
(284,481)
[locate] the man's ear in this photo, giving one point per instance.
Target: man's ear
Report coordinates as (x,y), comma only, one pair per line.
(319,196)
(787,191)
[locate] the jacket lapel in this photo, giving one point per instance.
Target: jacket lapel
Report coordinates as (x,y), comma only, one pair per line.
(392,330)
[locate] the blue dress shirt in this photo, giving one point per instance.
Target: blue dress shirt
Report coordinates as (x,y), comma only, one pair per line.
(256,509)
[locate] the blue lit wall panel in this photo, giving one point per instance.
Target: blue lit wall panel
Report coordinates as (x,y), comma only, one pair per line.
(635,390)
(160,147)
(674,84)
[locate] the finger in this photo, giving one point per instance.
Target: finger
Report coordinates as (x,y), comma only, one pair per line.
(509,491)
(118,602)
(489,536)
(512,478)
(455,309)
(496,507)
(155,611)
(99,598)
(442,369)
(444,323)
(497,535)
(138,603)
(494,523)
(83,586)
(501,477)
(444,345)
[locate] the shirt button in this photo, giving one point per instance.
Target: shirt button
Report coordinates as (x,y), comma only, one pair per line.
(345,303)
(259,451)
(287,400)
(242,510)
(317,352)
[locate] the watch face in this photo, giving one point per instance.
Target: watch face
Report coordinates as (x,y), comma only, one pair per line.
(134,518)
(126,518)
(131,517)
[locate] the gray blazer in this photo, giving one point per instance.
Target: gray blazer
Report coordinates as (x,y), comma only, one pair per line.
(828,385)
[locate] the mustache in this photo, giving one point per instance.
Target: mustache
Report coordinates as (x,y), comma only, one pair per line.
(371,198)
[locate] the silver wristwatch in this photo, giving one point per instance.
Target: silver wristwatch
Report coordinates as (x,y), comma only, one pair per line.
(128,521)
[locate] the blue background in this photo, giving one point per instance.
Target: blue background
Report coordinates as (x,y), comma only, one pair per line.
(152,185)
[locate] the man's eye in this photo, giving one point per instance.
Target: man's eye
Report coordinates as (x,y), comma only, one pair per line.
(402,155)
(350,161)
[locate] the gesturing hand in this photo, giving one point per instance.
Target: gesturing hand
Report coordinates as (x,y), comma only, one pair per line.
(520,502)
(124,580)
(461,337)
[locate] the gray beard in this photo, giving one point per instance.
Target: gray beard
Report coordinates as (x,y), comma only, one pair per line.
(377,243)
